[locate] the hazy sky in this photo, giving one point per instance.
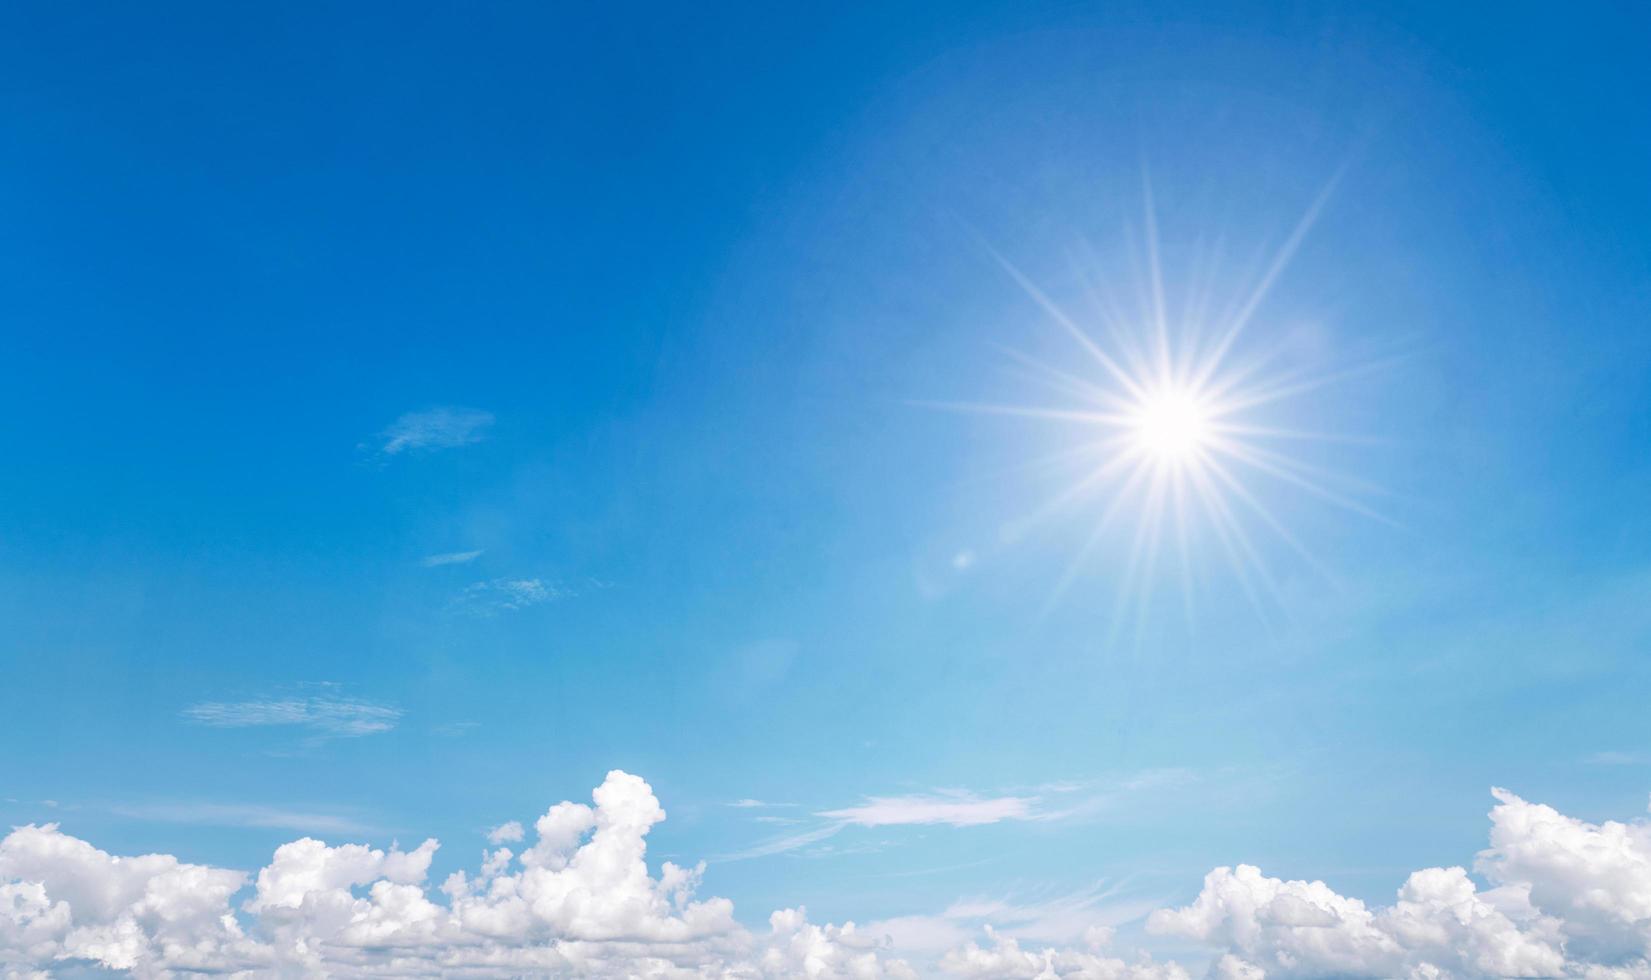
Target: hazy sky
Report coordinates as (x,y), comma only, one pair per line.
(415,412)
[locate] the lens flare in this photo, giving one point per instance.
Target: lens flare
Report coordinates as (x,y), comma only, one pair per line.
(1173,428)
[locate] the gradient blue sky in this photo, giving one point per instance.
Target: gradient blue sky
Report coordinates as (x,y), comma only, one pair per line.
(652,296)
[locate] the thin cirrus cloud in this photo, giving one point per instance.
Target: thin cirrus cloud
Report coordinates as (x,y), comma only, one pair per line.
(1088,916)
(1618,758)
(954,809)
(450,558)
(1048,802)
(444,427)
(245,815)
(780,845)
(321,718)
(499,595)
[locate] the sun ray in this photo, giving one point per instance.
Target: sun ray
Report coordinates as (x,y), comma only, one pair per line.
(1183,547)
(1067,381)
(1226,531)
(1298,435)
(1280,389)
(1029,411)
(1282,467)
(1077,333)
(1275,269)
(1096,533)
(1091,480)
(1160,319)
(1186,423)
(1237,488)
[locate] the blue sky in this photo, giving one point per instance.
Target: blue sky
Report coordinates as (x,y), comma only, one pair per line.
(416,413)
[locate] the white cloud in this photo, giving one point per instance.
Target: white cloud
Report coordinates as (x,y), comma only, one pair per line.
(788,842)
(1005,959)
(510,832)
(958,810)
(798,948)
(63,899)
(323,717)
(580,900)
(1566,898)
(450,558)
(436,428)
(507,595)
(1595,879)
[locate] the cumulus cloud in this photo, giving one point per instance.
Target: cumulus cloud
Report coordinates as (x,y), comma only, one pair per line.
(1567,898)
(1005,959)
(506,833)
(322,717)
(1564,898)
(579,900)
(798,948)
(1595,880)
(61,899)
(435,428)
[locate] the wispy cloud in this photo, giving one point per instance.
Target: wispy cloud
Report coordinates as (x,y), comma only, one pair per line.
(1047,802)
(790,842)
(957,809)
(244,815)
(450,558)
(435,428)
(1088,915)
(1616,758)
(322,717)
(508,594)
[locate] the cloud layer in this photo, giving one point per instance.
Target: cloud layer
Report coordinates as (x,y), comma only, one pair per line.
(1566,899)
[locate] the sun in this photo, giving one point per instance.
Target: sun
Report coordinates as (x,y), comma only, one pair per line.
(1173,425)
(1176,430)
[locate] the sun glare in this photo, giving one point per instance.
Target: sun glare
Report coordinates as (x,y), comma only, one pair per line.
(1174,429)
(1172,426)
